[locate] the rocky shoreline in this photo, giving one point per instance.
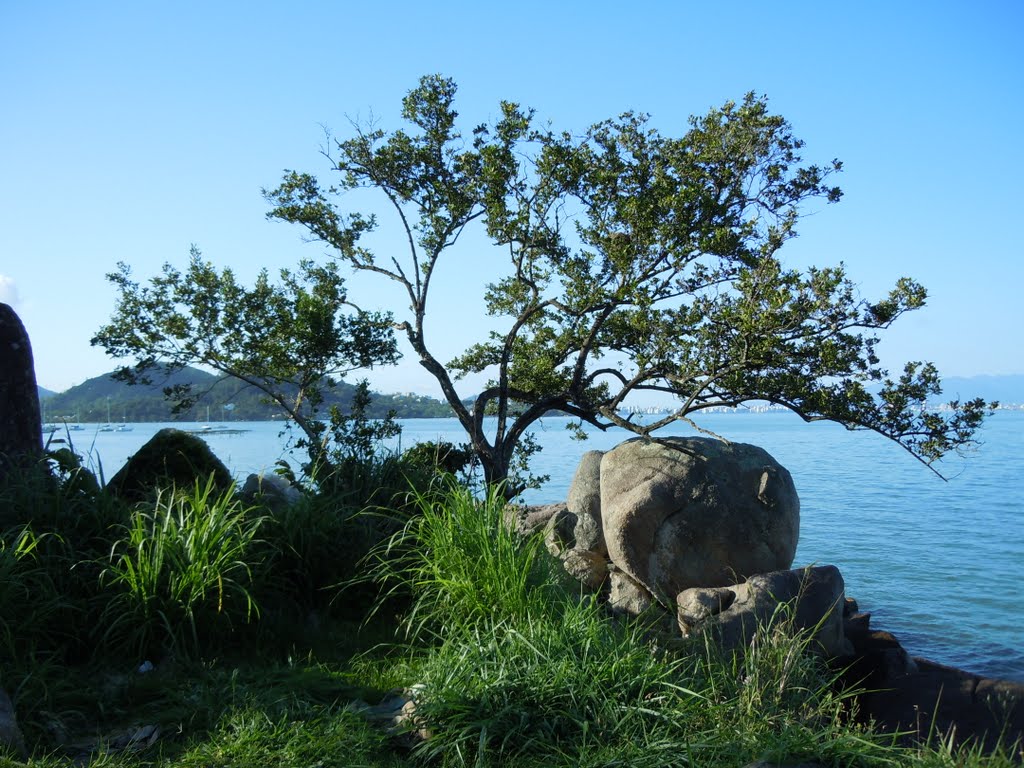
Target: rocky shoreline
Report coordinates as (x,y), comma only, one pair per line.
(700,535)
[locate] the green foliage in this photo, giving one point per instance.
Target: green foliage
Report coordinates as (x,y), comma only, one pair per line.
(313,546)
(354,435)
(499,692)
(440,456)
(181,574)
(289,340)
(515,667)
(637,262)
(328,738)
(522,670)
(461,563)
(54,526)
(30,600)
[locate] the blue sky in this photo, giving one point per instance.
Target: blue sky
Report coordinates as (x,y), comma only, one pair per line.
(131,130)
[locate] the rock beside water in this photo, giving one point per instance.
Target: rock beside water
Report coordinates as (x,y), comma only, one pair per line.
(808,599)
(584,503)
(170,457)
(21,431)
(696,512)
(708,530)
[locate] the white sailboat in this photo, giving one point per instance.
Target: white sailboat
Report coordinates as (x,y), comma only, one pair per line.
(123,426)
(108,427)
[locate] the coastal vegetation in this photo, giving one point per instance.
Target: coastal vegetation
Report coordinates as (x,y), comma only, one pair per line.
(625,261)
(199,628)
(205,627)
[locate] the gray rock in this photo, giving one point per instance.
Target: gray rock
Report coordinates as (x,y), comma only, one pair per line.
(273,490)
(627,595)
(589,568)
(584,501)
(814,598)
(558,536)
(397,713)
(528,519)
(21,431)
(696,512)
(699,604)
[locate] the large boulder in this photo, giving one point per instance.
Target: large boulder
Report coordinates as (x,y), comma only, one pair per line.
(171,457)
(584,501)
(806,598)
(684,512)
(21,432)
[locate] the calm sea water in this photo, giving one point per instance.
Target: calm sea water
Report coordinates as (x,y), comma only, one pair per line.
(937,563)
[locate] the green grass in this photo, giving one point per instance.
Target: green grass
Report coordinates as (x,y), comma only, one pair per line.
(180,575)
(462,564)
(515,666)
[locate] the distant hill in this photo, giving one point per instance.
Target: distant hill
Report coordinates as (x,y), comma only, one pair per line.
(103,399)
(228,399)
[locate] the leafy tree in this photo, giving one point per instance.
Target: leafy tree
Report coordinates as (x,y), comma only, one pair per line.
(636,262)
(289,340)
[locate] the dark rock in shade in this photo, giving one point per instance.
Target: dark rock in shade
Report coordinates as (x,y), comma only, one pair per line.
(21,431)
(170,457)
(878,657)
(920,700)
(857,628)
(934,701)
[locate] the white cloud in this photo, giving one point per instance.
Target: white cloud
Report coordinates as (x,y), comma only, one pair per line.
(8,291)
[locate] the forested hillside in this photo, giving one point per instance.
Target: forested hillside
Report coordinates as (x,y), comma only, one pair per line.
(103,399)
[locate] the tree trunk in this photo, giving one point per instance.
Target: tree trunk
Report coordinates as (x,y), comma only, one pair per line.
(21,433)
(496,465)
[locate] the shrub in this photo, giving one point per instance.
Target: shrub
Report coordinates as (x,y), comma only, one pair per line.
(440,456)
(310,548)
(32,606)
(54,524)
(462,563)
(181,573)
